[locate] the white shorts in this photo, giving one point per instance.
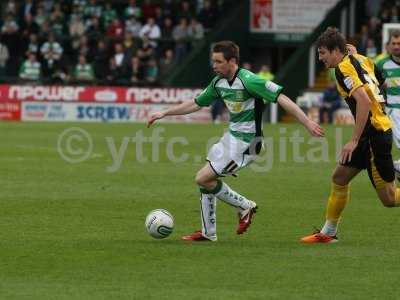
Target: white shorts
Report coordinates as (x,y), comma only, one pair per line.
(230,155)
(394,114)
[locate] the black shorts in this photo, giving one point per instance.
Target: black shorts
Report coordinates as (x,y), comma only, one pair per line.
(374,153)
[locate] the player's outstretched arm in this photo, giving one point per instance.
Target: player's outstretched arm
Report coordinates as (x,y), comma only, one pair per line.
(293,109)
(181,109)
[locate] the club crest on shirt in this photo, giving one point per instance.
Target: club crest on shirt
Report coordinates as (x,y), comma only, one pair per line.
(348,82)
(234,107)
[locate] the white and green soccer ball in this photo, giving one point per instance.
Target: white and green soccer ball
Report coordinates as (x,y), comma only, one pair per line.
(159,223)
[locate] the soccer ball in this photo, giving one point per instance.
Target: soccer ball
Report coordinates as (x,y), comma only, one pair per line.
(159,223)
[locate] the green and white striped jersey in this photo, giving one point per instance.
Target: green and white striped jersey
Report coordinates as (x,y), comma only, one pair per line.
(245,97)
(390,71)
(30,70)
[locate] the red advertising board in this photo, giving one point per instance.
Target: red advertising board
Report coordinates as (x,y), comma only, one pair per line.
(97,94)
(10,111)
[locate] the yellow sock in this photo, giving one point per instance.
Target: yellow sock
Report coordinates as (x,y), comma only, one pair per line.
(337,201)
(397,197)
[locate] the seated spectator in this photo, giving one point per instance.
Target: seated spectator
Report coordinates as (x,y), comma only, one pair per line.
(208,15)
(129,45)
(185,10)
(29,26)
(151,30)
(152,71)
(100,60)
(33,45)
(76,27)
(92,10)
(148,9)
(146,51)
(136,71)
(195,32)
(109,14)
(132,10)
(167,62)
(10,25)
(115,30)
(169,9)
(117,74)
(4,56)
(30,69)
(83,70)
(94,31)
(133,26)
(51,51)
(120,58)
(330,102)
(180,35)
(57,21)
(40,17)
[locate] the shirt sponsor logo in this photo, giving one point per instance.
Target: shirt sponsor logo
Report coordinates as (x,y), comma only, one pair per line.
(271,86)
(349,83)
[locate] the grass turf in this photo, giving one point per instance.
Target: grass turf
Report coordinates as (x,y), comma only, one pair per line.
(75,231)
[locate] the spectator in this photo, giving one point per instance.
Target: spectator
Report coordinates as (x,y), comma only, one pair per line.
(92,10)
(185,10)
(4,56)
(100,60)
(51,51)
(330,102)
(33,45)
(10,26)
(133,26)
(30,69)
(159,18)
(121,59)
(83,71)
(57,21)
(94,31)
(132,10)
(166,33)
(166,62)
(168,9)
(76,27)
(27,8)
(40,17)
(151,30)
(136,71)
(180,35)
(109,15)
(115,30)
(29,26)
(146,51)
(208,15)
(129,45)
(265,73)
(148,10)
(195,32)
(152,71)
(117,75)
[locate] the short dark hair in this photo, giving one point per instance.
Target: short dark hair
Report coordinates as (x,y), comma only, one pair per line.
(331,38)
(228,48)
(394,34)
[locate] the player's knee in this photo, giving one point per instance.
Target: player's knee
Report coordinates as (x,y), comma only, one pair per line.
(338,179)
(200,180)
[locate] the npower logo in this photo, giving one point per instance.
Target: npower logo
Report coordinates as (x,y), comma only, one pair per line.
(45,93)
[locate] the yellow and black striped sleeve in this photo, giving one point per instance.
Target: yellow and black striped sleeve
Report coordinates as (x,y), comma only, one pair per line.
(349,78)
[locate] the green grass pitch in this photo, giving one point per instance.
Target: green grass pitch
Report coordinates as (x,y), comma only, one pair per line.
(76,231)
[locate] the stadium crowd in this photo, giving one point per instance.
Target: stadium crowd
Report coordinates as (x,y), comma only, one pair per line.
(103,42)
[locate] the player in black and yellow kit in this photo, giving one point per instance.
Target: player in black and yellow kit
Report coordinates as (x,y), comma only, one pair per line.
(371,142)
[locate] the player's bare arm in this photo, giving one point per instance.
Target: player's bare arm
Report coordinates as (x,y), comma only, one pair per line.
(289,106)
(181,109)
(363,108)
